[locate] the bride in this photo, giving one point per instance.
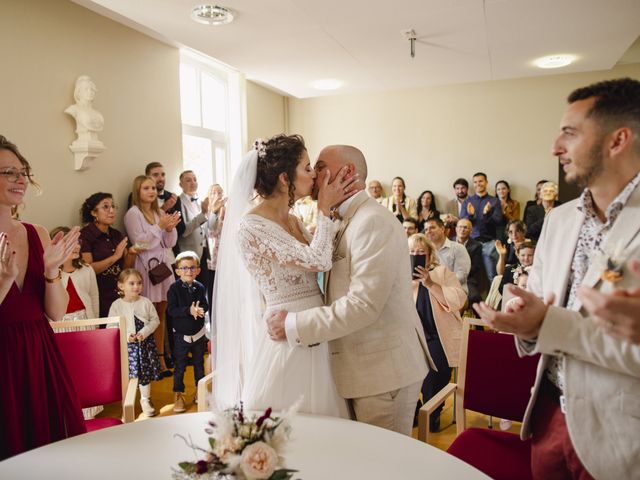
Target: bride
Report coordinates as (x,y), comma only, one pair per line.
(268,260)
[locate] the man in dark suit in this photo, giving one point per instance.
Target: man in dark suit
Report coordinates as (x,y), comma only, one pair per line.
(475,280)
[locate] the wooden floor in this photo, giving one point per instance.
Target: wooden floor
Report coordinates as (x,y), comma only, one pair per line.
(162,397)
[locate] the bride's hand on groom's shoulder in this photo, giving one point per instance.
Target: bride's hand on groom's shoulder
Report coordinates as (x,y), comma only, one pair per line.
(275,325)
(343,186)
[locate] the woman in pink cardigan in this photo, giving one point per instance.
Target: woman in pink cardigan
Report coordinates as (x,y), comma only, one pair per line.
(152,233)
(439,298)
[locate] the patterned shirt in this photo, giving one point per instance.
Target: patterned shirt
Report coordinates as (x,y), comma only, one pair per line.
(592,235)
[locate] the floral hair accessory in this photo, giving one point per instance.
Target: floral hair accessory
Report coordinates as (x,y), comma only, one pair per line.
(520,270)
(260,147)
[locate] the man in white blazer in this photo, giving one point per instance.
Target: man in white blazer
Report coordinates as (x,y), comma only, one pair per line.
(378,352)
(584,412)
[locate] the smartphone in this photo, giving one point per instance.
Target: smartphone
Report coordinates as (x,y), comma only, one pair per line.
(418,261)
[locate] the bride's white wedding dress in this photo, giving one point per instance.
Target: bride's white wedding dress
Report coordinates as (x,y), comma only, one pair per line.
(277,375)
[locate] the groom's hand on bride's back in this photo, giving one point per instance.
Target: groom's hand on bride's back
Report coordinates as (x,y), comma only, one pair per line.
(275,325)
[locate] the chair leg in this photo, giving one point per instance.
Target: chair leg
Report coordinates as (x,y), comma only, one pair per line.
(490,422)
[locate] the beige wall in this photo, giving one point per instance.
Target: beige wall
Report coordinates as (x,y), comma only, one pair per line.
(266,112)
(47,44)
(431,136)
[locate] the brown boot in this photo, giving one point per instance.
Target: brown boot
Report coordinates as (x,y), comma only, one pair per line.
(178,403)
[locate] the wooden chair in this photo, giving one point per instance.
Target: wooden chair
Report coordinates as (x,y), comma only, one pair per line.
(97,361)
(494,381)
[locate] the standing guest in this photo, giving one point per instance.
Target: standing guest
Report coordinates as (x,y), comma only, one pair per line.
(485,214)
(196,220)
(477,279)
(439,297)
(216,196)
(453,209)
(536,198)
(155,233)
(581,416)
(537,213)
(450,254)
(426,208)
(510,208)
(399,203)
(516,234)
(374,189)
(141,321)
(37,396)
(80,282)
(187,304)
(103,247)
(410,226)
(167,201)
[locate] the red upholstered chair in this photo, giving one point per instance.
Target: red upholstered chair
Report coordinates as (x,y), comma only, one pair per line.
(97,361)
(492,380)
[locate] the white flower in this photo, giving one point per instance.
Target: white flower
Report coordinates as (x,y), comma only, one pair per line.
(259,461)
(227,446)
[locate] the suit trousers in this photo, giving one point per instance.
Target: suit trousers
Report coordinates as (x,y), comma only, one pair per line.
(180,352)
(391,410)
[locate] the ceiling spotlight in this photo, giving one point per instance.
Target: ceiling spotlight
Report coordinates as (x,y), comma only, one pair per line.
(554,61)
(326,84)
(212,15)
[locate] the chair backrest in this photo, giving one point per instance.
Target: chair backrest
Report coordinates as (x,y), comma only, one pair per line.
(96,359)
(493,379)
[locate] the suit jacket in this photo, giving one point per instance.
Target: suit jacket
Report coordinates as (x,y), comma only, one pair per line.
(193,229)
(452,208)
(602,374)
(376,342)
(476,274)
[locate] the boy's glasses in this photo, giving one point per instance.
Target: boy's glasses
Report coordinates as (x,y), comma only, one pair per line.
(188,269)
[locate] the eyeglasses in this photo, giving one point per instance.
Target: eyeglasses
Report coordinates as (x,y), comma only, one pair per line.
(106,208)
(14,175)
(188,269)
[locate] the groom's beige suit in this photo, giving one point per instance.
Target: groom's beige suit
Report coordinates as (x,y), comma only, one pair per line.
(376,341)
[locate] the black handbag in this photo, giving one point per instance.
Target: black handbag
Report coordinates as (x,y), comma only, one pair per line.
(159,273)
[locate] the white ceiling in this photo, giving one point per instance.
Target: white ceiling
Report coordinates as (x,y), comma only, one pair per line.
(287,44)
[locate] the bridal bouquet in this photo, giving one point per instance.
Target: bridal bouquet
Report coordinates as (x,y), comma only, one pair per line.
(241,447)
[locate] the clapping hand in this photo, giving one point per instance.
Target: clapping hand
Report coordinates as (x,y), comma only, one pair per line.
(59,250)
(135,337)
(275,325)
(334,193)
(169,221)
(500,248)
(487,208)
(470,209)
(196,310)
(204,205)
(169,202)
(217,202)
(121,248)
(8,265)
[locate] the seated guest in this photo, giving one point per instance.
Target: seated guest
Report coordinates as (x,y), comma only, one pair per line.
(521,277)
(306,209)
(536,199)
(477,278)
(485,214)
(104,247)
(439,297)
(450,254)
(453,209)
(400,204)
(426,208)
(195,222)
(537,213)
(410,226)
(516,234)
(525,253)
(510,207)
(374,189)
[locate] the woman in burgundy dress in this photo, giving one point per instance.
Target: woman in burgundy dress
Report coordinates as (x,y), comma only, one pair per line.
(38,402)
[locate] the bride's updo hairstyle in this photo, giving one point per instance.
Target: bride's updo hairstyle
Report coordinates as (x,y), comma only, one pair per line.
(279,154)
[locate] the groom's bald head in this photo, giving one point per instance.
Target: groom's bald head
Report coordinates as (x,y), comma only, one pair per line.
(335,157)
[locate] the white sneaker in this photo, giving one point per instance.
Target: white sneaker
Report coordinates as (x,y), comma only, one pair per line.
(147,407)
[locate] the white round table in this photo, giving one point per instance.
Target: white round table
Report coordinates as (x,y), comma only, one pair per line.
(320,448)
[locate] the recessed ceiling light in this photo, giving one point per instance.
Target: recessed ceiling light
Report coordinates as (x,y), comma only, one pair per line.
(326,84)
(212,15)
(554,61)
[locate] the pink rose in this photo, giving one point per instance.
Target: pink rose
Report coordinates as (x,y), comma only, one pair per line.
(258,461)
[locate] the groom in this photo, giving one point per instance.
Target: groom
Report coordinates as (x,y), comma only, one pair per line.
(378,353)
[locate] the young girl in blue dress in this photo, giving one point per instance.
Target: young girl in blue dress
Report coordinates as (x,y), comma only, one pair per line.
(142,320)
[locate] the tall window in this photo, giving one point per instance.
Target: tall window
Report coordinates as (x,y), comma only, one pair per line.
(211,119)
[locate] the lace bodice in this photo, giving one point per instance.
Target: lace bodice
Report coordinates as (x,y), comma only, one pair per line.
(284,268)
